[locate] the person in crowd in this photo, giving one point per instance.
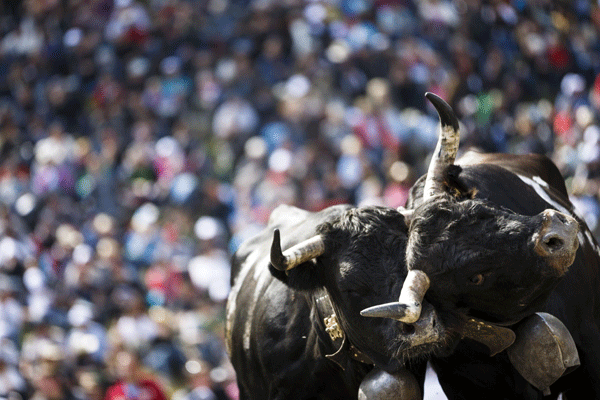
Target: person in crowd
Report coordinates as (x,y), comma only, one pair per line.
(133,381)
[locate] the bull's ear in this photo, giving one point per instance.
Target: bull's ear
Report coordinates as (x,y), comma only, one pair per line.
(455,186)
(407,214)
(306,278)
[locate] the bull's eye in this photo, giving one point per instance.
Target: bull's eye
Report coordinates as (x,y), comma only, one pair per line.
(476,279)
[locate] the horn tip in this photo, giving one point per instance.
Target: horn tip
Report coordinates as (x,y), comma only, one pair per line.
(277,257)
(447,116)
(367,312)
(393,310)
(430,95)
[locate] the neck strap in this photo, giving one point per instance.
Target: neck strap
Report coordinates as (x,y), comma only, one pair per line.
(332,326)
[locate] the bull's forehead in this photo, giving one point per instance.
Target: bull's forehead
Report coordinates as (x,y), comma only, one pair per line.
(449,234)
(370,266)
(472,212)
(447,218)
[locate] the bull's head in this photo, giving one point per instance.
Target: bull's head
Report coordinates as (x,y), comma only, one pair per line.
(358,256)
(468,256)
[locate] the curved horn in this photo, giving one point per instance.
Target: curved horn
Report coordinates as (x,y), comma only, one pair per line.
(446,148)
(408,307)
(296,255)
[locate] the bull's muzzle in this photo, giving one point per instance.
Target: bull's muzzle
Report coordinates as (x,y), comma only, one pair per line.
(556,240)
(426,330)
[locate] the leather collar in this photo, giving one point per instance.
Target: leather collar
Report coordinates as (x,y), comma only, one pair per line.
(345,349)
(496,338)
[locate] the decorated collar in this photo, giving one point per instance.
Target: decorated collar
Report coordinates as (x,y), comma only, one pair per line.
(345,349)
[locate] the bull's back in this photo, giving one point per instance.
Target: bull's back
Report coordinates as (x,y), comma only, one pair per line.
(529,165)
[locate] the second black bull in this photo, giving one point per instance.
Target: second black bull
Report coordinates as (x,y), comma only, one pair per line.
(482,244)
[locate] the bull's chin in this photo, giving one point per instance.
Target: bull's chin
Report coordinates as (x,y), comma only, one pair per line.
(407,352)
(505,320)
(418,353)
(499,321)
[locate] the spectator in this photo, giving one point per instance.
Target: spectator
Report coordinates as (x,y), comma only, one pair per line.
(200,381)
(11,381)
(134,328)
(86,338)
(133,382)
(12,314)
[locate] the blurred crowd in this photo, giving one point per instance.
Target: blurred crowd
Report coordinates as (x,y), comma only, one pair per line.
(141,141)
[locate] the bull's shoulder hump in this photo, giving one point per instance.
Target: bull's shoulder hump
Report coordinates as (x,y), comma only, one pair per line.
(283,217)
(526,194)
(289,216)
(533,166)
(287,212)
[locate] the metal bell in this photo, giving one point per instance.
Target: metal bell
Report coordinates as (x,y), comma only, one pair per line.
(380,385)
(543,351)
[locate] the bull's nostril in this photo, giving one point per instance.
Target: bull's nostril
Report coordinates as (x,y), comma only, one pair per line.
(554,243)
(408,329)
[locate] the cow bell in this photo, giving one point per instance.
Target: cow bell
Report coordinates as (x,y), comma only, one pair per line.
(380,385)
(543,351)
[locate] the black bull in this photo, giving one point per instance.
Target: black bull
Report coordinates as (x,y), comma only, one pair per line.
(486,234)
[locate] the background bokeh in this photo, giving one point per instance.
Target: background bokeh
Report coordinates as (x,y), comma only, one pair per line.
(141,141)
